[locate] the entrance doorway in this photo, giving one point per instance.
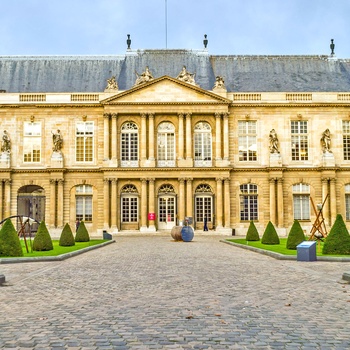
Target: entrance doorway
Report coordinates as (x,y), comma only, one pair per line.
(31,203)
(166,212)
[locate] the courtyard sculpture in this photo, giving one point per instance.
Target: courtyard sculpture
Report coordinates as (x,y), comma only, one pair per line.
(274,144)
(6,142)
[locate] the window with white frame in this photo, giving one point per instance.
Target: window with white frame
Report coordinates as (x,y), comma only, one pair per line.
(202,144)
(203,203)
(299,140)
(247,141)
(83,200)
(32,142)
(166,144)
(347,201)
(129,144)
(301,201)
(84,141)
(346,139)
(249,202)
(129,204)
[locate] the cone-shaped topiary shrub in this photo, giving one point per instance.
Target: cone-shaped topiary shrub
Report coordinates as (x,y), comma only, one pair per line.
(67,238)
(82,234)
(252,233)
(42,240)
(338,239)
(10,244)
(270,235)
(296,236)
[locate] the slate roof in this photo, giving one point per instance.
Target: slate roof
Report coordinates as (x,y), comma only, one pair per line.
(241,73)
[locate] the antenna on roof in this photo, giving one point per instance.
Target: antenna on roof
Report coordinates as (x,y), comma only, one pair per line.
(332,46)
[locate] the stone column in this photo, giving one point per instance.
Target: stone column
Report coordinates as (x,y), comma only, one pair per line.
(333,200)
(325,210)
(226,138)
(280,202)
(143,145)
(53,211)
(273,201)
(143,205)
(1,200)
(106,204)
(181,136)
(188,137)
(106,136)
(60,206)
(182,202)
(151,225)
(189,198)
(218,203)
(227,203)
(218,136)
(151,137)
(7,209)
(114,138)
(114,212)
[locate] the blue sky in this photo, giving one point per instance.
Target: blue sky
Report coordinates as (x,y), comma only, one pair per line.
(235,27)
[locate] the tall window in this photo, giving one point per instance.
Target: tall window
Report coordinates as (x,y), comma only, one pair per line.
(83,199)
(202,144)
(346,139)
(347,201)
(300,148)
(32,142)
(301,201)
(247,141)
(203,203)
(249,202)
(129,144)
(84,138)
(129,204)
(166,144)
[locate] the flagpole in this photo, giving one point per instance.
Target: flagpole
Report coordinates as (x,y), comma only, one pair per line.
(166,25)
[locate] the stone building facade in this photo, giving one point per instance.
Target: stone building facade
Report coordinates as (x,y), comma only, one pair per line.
(227,139)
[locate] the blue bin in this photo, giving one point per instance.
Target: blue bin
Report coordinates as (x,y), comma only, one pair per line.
(306,251)
(187,233)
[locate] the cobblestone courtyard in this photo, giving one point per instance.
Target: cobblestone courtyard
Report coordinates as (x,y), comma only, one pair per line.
(149,292)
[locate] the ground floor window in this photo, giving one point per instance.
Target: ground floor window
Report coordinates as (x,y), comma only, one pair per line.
(347,201)
(129,204)
(204,207)
(301,201)
(249,202)
(83,201)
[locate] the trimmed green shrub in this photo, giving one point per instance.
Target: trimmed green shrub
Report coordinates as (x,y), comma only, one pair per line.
(338,239)
(270,235)
(296,236)
(67,238)
(252,233)
(42,240)
(82,234)
(10,244)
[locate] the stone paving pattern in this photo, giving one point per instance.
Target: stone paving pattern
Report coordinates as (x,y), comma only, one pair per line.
(150,292)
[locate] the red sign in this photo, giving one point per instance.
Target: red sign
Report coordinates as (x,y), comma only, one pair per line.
(151,216)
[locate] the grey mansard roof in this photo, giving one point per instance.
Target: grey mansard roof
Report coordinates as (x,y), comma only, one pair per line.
(241,73)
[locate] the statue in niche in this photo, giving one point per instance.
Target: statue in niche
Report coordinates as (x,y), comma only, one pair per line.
(6,142)
(111,84)
(219,83)
(145,77)
(326,141)
(57,141)
(186,76)
(274,144)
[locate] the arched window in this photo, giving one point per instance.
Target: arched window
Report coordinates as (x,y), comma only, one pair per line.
(204,205)
(129,145)
(129,204)
(166,206)
(347,201)
(83,200)
(249,202)
(166,144)
(202,144)
(301,201)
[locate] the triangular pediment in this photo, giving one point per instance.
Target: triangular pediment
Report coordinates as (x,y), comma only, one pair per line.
(166,90)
